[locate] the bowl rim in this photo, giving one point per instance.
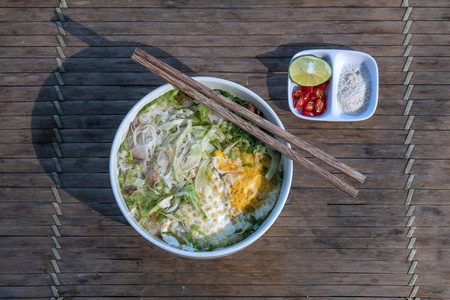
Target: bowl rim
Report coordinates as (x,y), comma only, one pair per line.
(122,131)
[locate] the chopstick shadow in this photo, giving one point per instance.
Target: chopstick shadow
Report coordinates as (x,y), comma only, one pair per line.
(277,63)
(79,108)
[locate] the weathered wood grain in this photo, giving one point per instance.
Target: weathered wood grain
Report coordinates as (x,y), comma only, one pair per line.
(233,3)
(306,40)
(226,28)
(237,290)
(28,28)
(28,14)
(125,51)
(205,15)
(29,3)
(33,93)
(228,266)
(430,152)
(212,278)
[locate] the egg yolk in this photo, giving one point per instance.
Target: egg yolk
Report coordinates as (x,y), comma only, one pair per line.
(246,179)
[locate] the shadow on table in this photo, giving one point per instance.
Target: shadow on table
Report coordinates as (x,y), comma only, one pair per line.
(73,124)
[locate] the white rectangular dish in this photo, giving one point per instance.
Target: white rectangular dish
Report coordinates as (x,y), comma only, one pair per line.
(338,60)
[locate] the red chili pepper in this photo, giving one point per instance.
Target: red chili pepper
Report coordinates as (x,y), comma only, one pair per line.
(298,97)
(297,94)
(319,106)
(322,86)
(307,113)
(320,93)
(309,106)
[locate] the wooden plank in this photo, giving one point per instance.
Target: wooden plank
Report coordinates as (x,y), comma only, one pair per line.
(29,3)
(431,167)
(365,196)
(221,51)
(25,136)
(268,242)
(9,280)
(25,231)
(20,79)
(436,92)
(33,93)
(224,28)
(184,64)
(230,266)
(231,4)
(430,152)
(428,14)
(211,40)
(28,28)
(432,221)
(27,109)
(431,197)
(203,15)
(343,210)
(25,194)
(26,165)
(26,221)
(430,182)
(214,278)
(436,292)
(430,39)
(28,64)
(26,122)
(430,64)
(238,290)
(431,123)
(430,27)
(28,243)
(26,150)
(27,180)
(430,51)
(249,253)
(31,14)
(28,41)
(429,3)
(35,52)
(12,209)
(433,280)
(440,268)
(433,255)
(430,107)
(25,292)
(431,137)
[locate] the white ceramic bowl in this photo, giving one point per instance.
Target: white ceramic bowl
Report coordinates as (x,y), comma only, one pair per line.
(236,90)
(339,59)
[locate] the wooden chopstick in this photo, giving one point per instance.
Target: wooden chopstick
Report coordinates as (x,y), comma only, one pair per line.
(159,68)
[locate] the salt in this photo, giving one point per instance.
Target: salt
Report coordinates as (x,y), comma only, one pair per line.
(354,89)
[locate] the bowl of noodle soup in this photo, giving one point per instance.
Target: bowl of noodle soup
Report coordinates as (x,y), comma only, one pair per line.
(191,182)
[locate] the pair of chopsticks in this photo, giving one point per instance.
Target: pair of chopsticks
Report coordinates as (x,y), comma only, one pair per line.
(203,94)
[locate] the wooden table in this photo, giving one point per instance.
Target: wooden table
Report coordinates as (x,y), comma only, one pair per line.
(67,80)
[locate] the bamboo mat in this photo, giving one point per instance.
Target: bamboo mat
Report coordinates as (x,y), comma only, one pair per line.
(67,81)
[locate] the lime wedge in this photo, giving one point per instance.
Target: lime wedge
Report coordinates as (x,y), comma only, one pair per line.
(309,70)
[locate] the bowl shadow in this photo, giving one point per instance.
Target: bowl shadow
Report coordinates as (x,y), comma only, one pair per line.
(79,108)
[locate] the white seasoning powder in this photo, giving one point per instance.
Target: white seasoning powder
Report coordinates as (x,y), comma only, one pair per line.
(354,89)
